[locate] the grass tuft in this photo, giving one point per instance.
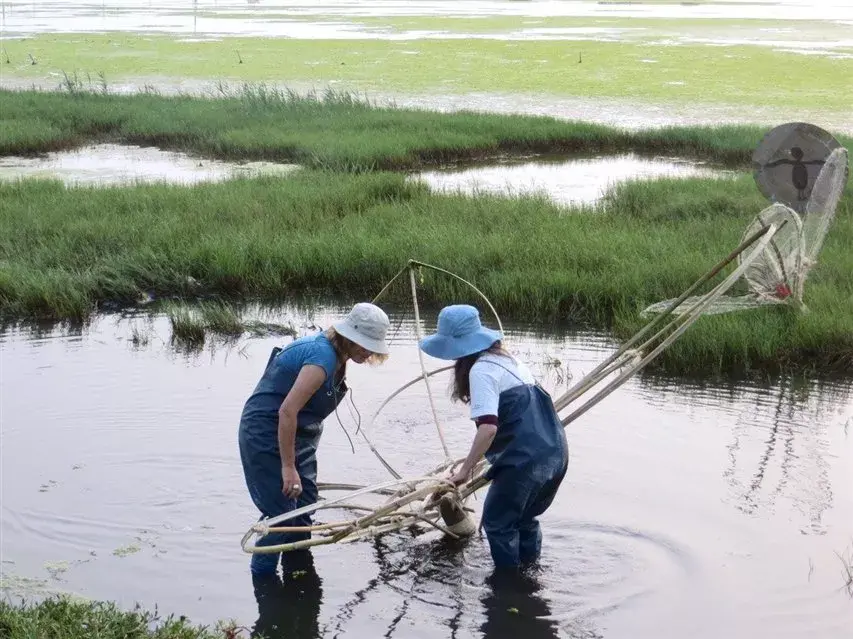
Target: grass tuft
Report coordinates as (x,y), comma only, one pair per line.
(66,251)
(333,130)
(61,617)
(192,324)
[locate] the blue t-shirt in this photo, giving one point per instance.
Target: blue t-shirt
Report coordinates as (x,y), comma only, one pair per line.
(260,413)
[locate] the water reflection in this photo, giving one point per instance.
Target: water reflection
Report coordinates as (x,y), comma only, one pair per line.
(513,603)
(289,605)
(679,494)
(790,459)
(514,608)
(578,180)
(779,450)
(104,164)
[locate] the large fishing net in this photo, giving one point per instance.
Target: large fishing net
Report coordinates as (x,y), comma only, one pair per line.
(778,275)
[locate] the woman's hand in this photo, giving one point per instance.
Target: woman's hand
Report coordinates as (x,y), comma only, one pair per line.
(291,484)
(460,476)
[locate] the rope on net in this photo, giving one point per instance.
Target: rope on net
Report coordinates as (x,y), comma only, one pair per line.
(414,501)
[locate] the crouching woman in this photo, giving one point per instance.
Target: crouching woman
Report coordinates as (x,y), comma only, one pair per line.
(518,431)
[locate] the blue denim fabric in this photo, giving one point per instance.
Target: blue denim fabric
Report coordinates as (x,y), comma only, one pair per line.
(516,497)
(262,471)
(530,457)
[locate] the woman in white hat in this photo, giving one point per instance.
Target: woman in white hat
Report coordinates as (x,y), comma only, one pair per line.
(518,431)
(282,420)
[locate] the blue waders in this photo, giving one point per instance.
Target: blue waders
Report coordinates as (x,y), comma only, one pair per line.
(261,459)
(262,469)
(529,458)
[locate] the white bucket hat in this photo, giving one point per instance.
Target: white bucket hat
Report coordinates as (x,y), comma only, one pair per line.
(366,325)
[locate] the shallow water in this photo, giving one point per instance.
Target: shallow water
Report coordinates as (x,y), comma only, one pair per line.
(565,181)
(801,26)
(333,19)
(123,164)
(689,510)
(575,181)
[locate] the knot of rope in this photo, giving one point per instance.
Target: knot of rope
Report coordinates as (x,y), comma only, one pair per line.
(261,528)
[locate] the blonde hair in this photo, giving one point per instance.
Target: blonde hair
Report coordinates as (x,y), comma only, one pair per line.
(345,345)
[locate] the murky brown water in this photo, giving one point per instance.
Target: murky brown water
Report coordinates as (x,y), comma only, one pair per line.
(689,510)
(123,164)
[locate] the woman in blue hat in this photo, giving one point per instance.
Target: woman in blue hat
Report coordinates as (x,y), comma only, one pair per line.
(282,420)
(518,431)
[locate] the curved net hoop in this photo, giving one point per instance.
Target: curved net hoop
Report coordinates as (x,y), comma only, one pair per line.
(775,276)
(820,209)
(724,304)
(772,275)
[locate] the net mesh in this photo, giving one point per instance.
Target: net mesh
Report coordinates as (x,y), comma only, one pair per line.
(820,209)
(778,274)
(774,275)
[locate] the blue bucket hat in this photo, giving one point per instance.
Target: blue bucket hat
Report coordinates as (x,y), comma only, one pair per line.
(459,333)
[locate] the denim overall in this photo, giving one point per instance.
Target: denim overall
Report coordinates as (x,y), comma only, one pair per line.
(261,459)
(529,458)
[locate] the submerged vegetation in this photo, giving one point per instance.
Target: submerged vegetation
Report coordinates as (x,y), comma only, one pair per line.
(65,251)
(68,618)
(336,131)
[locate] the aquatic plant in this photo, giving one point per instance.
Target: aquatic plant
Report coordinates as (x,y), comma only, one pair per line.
(65,252)
(336,130)
(72,618)
(193,323)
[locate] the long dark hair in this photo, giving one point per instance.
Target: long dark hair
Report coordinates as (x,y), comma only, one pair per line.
(461,384)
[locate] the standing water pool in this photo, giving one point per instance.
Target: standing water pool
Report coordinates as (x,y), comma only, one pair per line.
(689,510)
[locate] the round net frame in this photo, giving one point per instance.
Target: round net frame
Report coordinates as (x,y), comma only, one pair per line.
(778,275)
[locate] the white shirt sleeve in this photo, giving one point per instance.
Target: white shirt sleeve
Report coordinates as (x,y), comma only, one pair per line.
(484,382)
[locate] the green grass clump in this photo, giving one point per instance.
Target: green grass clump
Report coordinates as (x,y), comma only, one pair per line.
(336,131)
(66,618)
(63,251)
(192,323)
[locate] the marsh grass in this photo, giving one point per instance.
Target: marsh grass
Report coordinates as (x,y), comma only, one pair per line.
(67,618)
(193,324)
(333,130)
(64,252)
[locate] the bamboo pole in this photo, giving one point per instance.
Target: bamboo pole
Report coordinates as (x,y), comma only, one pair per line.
(478,482)
(390,282)
(441,270)
(375,523)
(561,402)
(423,366)
(694,314)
